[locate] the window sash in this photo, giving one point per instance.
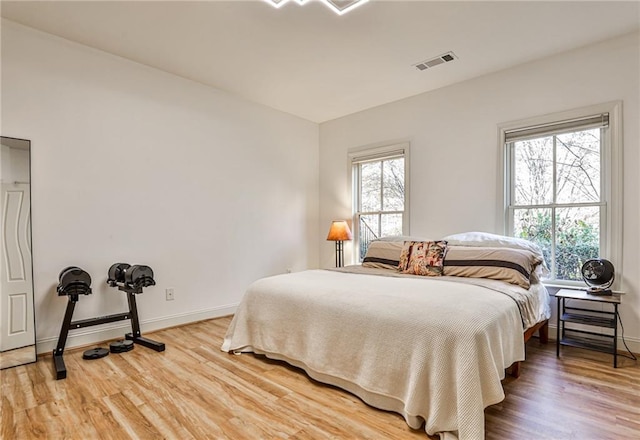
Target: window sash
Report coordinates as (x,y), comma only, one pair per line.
(381,154)
(579,124)
(358,196)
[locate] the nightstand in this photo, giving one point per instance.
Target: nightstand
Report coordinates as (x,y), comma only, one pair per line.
(607,343)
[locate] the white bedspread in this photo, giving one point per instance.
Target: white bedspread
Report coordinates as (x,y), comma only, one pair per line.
(430,349)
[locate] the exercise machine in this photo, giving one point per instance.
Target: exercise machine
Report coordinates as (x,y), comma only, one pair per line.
(73,282)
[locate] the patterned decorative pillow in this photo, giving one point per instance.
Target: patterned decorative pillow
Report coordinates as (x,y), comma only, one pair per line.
(383,254)
(422,257)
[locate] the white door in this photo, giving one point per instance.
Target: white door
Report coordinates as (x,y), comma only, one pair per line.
(16,297)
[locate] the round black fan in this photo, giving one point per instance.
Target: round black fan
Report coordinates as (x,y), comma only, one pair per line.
(599,275)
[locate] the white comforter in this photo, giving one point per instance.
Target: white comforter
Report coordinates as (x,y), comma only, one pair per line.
(430,349)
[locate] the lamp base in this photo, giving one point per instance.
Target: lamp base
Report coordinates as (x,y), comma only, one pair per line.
(339,253)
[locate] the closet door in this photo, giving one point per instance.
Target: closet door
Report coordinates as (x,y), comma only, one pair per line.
(16,297)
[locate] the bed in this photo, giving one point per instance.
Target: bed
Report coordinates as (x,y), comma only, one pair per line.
(433,349)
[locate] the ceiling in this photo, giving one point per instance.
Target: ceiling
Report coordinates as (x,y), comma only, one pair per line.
(310,62)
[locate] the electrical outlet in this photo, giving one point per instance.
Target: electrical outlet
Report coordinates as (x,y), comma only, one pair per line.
(169,293)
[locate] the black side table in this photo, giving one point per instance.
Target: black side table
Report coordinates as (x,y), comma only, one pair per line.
(604,342)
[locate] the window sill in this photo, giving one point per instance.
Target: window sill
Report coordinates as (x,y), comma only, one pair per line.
(552,288)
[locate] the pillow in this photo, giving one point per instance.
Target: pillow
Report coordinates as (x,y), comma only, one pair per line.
(422,257)
(400,238)
(485,239)
(505,264)
(538,274)
(383,254)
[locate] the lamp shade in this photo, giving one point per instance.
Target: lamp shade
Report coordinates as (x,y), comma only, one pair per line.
(339,231)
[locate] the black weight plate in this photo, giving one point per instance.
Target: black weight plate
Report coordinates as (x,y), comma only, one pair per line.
(95,353)
(74,281)
(116,272)
(121,346)
(139,276)
(75,275)
(64,270)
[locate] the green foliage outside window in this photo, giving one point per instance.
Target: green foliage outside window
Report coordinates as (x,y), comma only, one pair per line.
(577,241)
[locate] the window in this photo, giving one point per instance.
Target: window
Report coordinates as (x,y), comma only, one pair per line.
(379,194)
(559,190)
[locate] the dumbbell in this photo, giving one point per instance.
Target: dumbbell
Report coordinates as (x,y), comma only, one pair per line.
(139,276)
(73,281)
(136,276)
(116,273)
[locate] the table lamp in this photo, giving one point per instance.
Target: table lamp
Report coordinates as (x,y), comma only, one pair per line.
(339,232)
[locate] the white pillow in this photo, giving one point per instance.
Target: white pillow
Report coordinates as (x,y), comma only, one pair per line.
(400,238)
(485,239)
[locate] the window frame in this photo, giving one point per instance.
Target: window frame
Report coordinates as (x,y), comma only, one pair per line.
(374,154)
(611,179)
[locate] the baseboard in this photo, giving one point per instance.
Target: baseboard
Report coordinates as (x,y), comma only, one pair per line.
(94,335)
(632,343)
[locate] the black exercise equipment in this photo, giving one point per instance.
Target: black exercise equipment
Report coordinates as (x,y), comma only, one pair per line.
(127,277)
(95,353)
(74,281)
(121,346)
(116,273)
(132,279)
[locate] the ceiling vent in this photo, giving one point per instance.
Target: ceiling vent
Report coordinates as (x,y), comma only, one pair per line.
(433,62)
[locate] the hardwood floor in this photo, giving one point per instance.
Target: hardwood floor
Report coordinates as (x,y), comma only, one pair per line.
(194,391)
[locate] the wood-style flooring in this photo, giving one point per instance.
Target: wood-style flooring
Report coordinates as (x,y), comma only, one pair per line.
(195,391)
(19,356)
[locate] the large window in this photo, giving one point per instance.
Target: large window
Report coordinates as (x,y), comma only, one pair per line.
(379,194)
(559,190)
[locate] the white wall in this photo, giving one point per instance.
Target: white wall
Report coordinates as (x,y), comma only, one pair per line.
(5,163)
(455,157)
(131,164)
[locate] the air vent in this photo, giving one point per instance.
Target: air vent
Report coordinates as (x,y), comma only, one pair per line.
(433,62)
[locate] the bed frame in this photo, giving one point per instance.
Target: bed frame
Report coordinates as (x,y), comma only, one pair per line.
(543,333)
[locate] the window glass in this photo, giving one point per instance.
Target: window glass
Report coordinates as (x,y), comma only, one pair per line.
(535,225)
(393,184)
(370,225)
(390,224)
(370,186)
(578,159)
(534,171)
(577,240)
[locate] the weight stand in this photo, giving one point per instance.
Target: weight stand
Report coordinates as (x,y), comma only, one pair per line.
(131,280)
(135,335)
(74,281)
(67,324)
